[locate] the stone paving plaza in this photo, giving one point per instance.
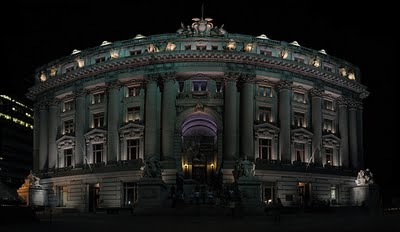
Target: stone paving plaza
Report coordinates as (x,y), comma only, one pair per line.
(197,220)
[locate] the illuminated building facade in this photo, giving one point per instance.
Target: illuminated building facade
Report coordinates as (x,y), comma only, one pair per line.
(198,100)
(16,129)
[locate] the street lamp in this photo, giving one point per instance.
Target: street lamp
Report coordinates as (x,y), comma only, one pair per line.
(212,169)
(186,169)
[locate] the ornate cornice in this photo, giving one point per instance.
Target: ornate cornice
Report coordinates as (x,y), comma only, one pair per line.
(284,84)
(316,92)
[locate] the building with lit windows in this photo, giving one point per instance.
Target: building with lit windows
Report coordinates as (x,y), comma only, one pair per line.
(198,100)
(16,130)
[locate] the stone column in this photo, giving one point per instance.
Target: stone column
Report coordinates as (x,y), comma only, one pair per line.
(247,116)
(80,125)
(168,116)
(151,145)
(354,161)
(284,88)
(316,123)
(230,118)
(36,137)
(360,139)
(113,108)
(43,152)
(52,133)
(343,132)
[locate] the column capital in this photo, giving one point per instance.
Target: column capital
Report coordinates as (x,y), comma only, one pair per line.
(247,78)
(231,76)
(284,84)
(355,104)
(316,92)
(80,92)
(342,101)
(53,102)
(42,105)
(114,84)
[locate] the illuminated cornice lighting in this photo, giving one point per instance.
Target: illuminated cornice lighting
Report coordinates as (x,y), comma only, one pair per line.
(262,36)
(75,51)
(295,43)
(139,36)
(323,51)
(105,43)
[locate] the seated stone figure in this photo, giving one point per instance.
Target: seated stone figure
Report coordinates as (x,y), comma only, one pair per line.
(364,177)
(243,167)
(152,168)
(32,181)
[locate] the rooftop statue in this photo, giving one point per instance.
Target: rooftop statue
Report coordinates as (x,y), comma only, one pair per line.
(201,27)
(364,177)
(244,168)
(152,168)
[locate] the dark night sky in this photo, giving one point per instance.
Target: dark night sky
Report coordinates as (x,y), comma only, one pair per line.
(363,35)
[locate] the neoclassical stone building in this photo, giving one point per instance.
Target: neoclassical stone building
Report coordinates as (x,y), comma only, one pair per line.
(197,99)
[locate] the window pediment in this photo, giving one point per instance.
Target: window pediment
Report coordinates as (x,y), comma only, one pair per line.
(131,130)
(65,141)
(96,136)
(301,135)
(330,140)
(266,130)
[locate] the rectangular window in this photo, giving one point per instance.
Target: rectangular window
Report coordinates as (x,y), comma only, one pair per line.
(199,86)
(188,47)
(299,119)
(100,59)
(219,86)
(69,126)
(264,114)
(327,68)
(299,149)
(299,97)
(265,149)
(298,59)
(98,120)
(68,106)
(201,47)
(133,113)
(132,146)
(69,69)
(98,98)
(329,155)
(266,52)
(135,52)
(264,91)
(328,125)
(181,86)
(328,105)
(130,193)
(214,47)
(97,153)
(68,157)
(133,91)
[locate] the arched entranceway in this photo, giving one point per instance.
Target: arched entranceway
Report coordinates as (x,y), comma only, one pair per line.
(199,139)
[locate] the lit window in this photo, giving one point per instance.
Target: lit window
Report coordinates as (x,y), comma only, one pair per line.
(67,157)
(329,155)
(199,86)
(299,97)
(328,105)
(97,153)
(299,149)
(328,125)
(69,126)
(98,120)
(98,98)
(68,106)
(264,114)
(265,149)
(133,91)
(264,91)
(132,146)
(133,113)
(299,119)
(130,193)
(100,59)
(135,52)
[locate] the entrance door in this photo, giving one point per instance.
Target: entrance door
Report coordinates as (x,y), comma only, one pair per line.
(94,197)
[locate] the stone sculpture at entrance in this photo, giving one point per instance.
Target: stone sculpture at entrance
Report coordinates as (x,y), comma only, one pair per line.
(152,168)
(244,167)
(364,177)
